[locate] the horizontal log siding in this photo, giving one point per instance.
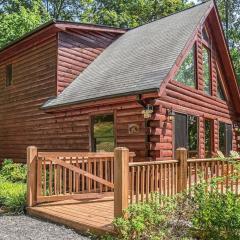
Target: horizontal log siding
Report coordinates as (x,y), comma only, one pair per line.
(34,81)
(76,50)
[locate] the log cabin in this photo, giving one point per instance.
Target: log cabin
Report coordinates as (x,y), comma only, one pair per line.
(83,87)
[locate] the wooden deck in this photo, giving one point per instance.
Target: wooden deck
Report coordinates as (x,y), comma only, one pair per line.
(93,216)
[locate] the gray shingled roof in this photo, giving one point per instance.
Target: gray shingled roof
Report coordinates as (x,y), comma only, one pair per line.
(136,62)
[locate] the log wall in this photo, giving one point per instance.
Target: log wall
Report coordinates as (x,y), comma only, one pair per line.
(76,50)
(34,81)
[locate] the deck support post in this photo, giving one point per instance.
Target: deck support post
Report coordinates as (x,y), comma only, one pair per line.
(31,176)
(181,156)
(121,169)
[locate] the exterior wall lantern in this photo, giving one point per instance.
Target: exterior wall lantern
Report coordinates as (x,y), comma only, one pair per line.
(236,126)
(170,114)
(148,110)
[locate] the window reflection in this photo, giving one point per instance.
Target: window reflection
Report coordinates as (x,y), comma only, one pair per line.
(186,73)
(103,133)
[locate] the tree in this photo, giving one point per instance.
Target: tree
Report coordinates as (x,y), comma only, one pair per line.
(16,19)
(229,13)
(65,9)
(125,13)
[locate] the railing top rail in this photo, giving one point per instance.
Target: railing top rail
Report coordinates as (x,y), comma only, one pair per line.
(211,159)
(80,154)
(133,164)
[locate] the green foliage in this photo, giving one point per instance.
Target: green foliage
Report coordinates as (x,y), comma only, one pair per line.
(13,178)
(13,172)
(203,215)
(12,196)
(148,220)
(126,13)
(217,216)
(18,19)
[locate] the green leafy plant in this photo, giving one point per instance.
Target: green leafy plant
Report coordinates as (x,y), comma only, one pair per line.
(216,215)
(13,172)
(12,196)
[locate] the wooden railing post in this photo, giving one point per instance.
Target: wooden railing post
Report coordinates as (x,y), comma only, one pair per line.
(31,176)
(121,169)
(181,156)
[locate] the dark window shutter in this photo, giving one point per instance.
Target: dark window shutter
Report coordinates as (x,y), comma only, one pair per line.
(229,137)
(181,133)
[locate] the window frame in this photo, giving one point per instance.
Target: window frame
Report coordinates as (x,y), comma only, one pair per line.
(9,75)
(211,135)
(219,73)
(194,48)
(225,152)
(187,129)
(204,46)
(92,142)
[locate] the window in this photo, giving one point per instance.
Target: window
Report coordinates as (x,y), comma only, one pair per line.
(206,71)
(220,92)
(225,138)
(208,137)
(186,73)
(103,133)
(9,75)
(205,35)
(186,133)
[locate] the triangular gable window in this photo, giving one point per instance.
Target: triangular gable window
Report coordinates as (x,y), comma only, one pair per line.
(205,34)
(220,91)
(186,73)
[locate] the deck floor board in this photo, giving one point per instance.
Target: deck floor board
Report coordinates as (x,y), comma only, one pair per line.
(84,215)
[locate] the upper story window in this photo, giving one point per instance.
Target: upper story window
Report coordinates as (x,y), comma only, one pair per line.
(9,75)
(220,91)
(206,71)
(205,35)
(186,73)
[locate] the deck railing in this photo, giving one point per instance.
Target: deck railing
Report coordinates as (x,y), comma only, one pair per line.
(174,176)
(54,176)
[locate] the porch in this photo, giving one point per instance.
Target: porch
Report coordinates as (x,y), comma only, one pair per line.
(95,215)
(85,191)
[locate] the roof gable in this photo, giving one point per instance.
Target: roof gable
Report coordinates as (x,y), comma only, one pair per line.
(50,28)
(138,61)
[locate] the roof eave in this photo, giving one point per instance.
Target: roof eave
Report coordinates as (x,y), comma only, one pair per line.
(77,103)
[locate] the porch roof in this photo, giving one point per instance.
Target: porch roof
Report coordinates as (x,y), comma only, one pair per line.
(136,62)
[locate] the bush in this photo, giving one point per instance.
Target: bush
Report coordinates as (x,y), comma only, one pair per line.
(12,196)
(13,172)
(202,215)
(216,215)
(147,220)
(13,178)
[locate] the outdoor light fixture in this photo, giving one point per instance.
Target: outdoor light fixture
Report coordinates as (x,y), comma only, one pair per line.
(148,110)
(236,126)
(170,114)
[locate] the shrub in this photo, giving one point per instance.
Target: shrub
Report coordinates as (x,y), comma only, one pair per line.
(13,172)
(216,215)
(147,220)
(12,195)
(203,215)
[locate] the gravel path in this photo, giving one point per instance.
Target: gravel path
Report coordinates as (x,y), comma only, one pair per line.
(26,228)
